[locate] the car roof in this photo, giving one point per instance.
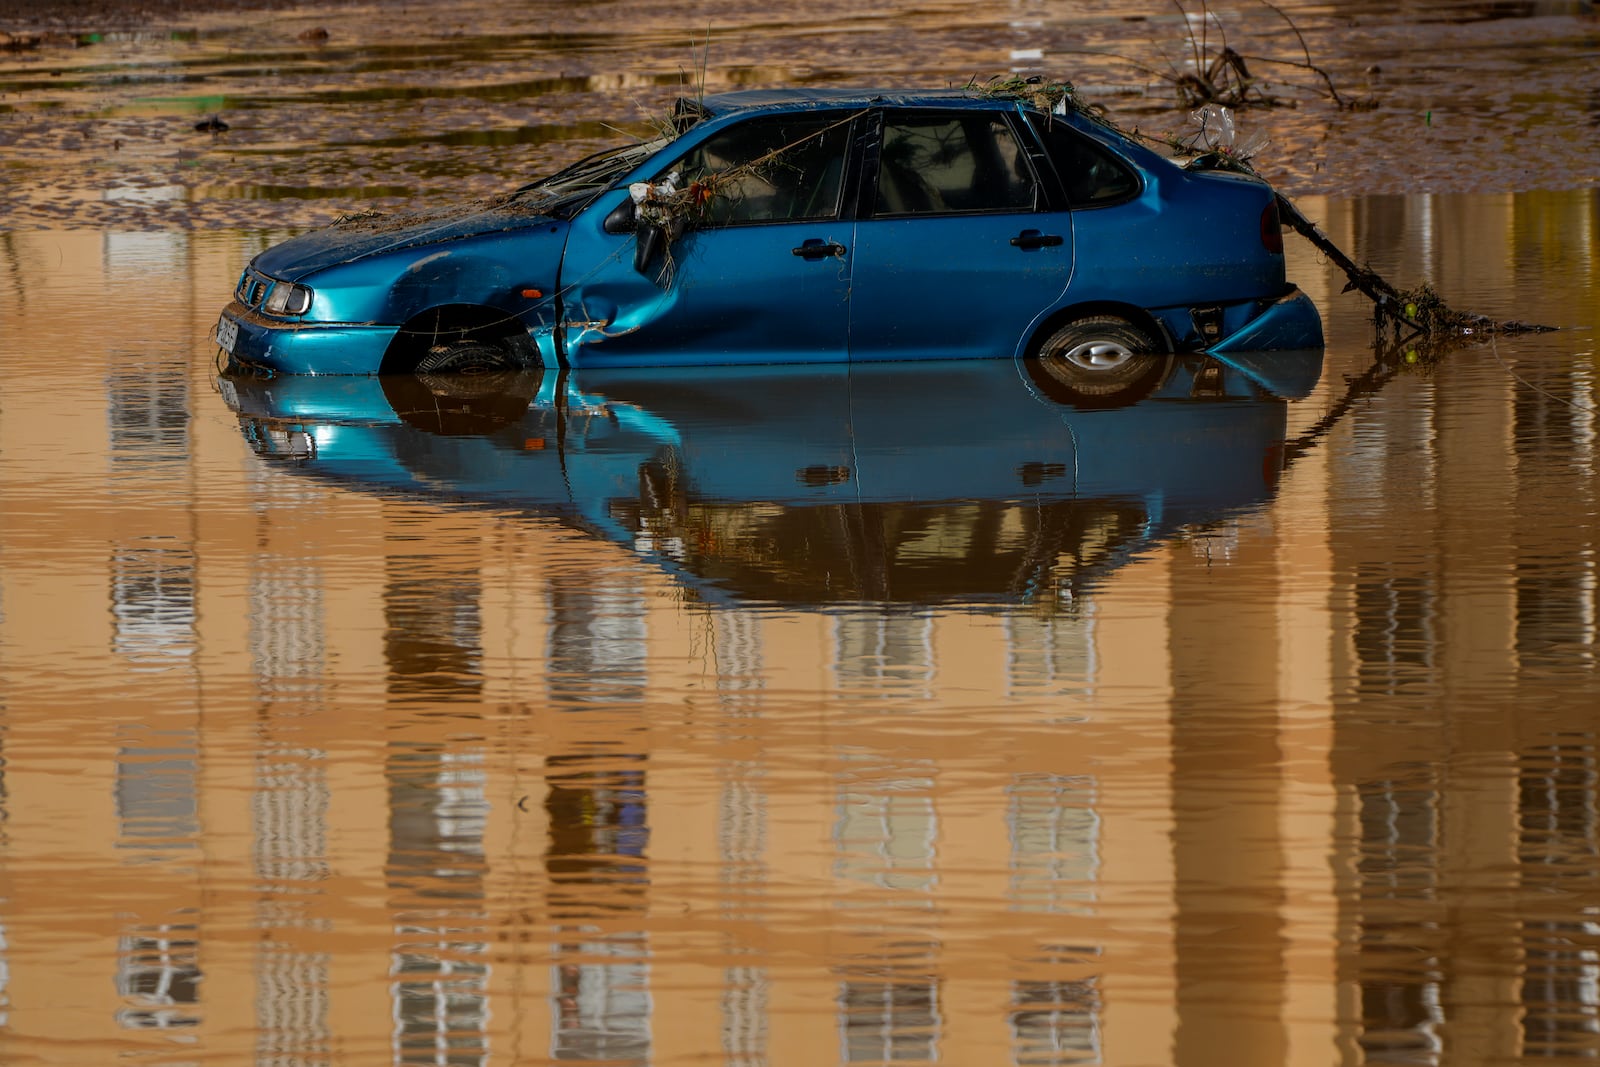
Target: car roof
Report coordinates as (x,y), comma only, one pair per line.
(807,99)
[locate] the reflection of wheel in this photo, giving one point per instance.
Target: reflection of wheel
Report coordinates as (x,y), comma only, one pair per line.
(1099,361)
(466,357)
(454,404)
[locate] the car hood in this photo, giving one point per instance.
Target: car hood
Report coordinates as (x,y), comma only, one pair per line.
(357,237)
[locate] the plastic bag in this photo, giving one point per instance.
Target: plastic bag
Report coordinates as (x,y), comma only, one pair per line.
(1219,134)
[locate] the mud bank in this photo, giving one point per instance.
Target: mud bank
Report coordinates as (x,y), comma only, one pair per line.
(254,113)
(25,19)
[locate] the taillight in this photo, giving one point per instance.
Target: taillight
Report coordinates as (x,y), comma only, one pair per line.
(1272,229)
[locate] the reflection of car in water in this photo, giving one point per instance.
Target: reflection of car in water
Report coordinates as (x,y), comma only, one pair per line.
(911,483)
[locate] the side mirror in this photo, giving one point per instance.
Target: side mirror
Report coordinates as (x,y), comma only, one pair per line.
(623,219)
(649,245)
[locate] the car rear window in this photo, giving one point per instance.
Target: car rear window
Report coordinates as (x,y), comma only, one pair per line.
(1091,174)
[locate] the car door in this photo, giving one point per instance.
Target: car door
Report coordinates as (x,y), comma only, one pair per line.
(758,273)
(958,249)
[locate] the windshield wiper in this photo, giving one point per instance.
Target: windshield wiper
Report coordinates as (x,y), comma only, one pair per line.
(601,167)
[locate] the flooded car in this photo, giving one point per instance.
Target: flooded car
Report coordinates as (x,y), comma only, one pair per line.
(801,226)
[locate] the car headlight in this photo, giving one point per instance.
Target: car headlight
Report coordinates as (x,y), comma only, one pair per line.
(287,298)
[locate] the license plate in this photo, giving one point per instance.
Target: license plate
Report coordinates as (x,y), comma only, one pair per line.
(227,334)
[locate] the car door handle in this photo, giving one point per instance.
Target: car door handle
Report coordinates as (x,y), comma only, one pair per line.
(817,248)
(1029,239)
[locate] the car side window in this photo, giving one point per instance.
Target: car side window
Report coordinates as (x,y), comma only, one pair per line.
(1092,176)
(779,168)
(951,164)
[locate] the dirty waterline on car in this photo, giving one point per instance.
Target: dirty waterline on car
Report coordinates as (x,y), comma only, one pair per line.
(787,715)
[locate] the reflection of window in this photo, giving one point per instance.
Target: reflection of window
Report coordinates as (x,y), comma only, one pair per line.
(602,1002)
(752,184)
(286,626)
(1559,841)
(149,414)
(1560,989)
(1055,1024)
(744,1016)
(597,641)
(1399,837)
(889,1008)
(1560,816)
(1557,617)
(741,846)
(433,637)
(1401,974)
(599,834)
(156,788)
(153,600)
(440,999)
(437,815)
(742,828)
(932,164)
(738,655)
(158,974)
(1055,652)
(1401,1020)
(881,650)
(291,1006)
(138,255)
(1394,635)
(1055,833)
(289,809)
(886,830)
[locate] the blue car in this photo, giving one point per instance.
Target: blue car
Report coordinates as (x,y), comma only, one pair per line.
(802,226)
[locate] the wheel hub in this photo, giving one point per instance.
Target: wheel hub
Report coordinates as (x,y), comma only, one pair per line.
(1098,355)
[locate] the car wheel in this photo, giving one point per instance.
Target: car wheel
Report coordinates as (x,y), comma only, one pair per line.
(1099,361)
(466,357)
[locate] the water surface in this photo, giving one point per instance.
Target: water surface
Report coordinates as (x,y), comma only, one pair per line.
(852,715)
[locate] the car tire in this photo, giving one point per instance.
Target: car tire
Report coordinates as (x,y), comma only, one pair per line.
(1099,361)
(467,358)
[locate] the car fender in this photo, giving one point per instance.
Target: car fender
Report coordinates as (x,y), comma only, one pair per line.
(513,271)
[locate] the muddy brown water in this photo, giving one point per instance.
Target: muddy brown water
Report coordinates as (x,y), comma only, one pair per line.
(1257,730)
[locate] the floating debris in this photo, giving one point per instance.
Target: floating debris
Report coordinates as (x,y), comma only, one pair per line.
(1420,310)
(1042,94)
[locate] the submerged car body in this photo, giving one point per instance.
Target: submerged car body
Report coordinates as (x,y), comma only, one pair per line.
(811,226)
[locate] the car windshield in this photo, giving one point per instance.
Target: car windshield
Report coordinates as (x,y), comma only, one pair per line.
(563,193)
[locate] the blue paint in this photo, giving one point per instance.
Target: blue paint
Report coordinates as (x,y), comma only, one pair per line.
(894,226)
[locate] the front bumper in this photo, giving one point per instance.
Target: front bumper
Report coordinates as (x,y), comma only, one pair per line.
(291,347)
